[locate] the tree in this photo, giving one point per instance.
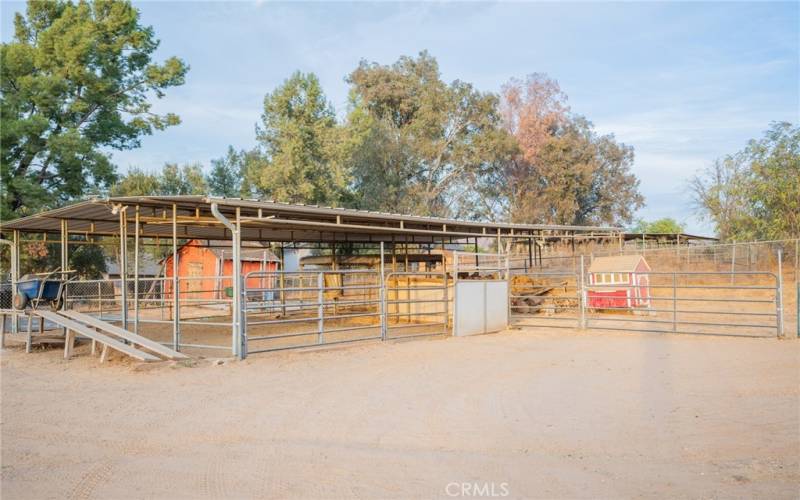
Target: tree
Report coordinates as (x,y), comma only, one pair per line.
(532,110)
(755,193)
(297,138)
(225,178)
(76,81)
(563,171)
(173,180)
(136,182)
(231,175)
(188,179)
(666,225)
(420,143)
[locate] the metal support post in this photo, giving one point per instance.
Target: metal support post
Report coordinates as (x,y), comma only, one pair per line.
(447,307)
(238,289)
(674,302)
(238,337)
(64,262)
(282,282)
(382,281)
(176,328)
(15,276)
(136,271)
(779,294)
(733,263)
(123,264)
(320,307)
(582,296)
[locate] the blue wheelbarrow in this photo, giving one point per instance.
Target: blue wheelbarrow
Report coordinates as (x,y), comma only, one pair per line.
(43,288)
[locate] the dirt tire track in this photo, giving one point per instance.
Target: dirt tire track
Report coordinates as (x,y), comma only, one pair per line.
(97,475)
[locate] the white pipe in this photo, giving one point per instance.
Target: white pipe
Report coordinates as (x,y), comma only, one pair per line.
(236,319)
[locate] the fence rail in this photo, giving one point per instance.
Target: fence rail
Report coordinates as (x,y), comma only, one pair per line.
(698,302)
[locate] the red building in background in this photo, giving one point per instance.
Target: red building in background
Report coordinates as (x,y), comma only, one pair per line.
(619,282)
(207,266)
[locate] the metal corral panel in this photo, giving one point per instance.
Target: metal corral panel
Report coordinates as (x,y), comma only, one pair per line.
(480,307)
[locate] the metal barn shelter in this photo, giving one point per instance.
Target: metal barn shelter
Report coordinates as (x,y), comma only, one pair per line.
(269,308)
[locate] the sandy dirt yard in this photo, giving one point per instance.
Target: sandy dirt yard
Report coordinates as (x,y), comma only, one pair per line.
(524,413)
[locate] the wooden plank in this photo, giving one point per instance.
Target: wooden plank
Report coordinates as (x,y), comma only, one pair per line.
(146,343)
(29,341)
(69,344)
(88,332)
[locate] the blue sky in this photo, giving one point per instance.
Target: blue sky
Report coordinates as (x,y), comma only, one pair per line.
(684,83)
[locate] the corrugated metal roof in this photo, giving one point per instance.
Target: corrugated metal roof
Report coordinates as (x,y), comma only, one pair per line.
(271,221)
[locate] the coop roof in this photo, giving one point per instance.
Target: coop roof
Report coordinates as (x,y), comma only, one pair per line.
(616,264)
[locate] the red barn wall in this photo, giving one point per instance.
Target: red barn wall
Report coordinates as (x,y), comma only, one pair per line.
(198,261)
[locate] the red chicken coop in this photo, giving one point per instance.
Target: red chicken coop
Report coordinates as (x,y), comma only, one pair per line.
(619,282)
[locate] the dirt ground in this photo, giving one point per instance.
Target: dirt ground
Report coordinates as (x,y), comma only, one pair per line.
(531,413)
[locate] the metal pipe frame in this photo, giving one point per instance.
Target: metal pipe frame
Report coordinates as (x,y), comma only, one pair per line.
(136,230)
(176,306)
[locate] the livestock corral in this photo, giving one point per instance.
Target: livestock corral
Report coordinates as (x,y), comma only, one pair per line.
(370,276)
(619,370)
(697,290)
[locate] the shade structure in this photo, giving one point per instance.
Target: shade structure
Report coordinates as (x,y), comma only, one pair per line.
(276,221)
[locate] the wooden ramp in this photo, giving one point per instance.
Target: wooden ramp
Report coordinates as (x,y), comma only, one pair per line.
(144,342)
(82,329)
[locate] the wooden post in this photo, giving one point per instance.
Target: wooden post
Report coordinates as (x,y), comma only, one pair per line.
(29,340)
(69,344)
(104,354)
(530,254)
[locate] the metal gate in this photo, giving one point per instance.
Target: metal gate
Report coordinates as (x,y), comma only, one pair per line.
(416,304)
(287,310)
(712,303)
(551,299)
(481,295)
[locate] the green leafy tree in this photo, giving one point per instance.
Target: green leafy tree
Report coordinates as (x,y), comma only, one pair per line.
(232,175)
(186,179)
(76,81)
(667,225)
(136,182)
(173,179)
(755,193)
(297,138)
(418,144)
